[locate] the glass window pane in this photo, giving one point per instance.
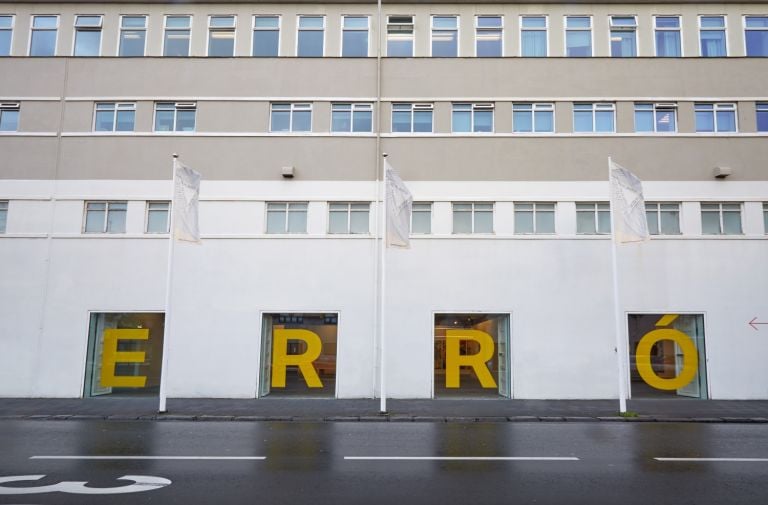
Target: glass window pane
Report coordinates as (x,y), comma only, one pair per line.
(483,121)
(670,222)
(524,221)
(276,221)
(545,221)
(222,22)
(483,222)
(757,42)
(176,43)
(726,121)
(713,43)
(356,22)
(177,21)
(354,44)
(315,22)
(762,118)
(444,43)
(265,43)
(422,121)
(585,222)
(221,43)
(310,44)
(341,121)
(116,218)
(732,223)
(652,216)
(534,22)
(462,221)
(462,121)
(604,222)
(157,221)
(132,42)
(281,121)
(604,121)
(43,43)
(668,44)
(623,44)
(705,121)
(665,120)
(534,43)
(94,219)
(582,121)
(302,121)
(710,223)
(185,120)
(522,121)
(45,22)
(125,120)
(87,42)
(358,222)
(104,120)
(488,43)
(422,221)
(363,121)
(163,121)
(9,120)
(297,221)
(5,42)
(757,21)
(643,121)
(444,22)
(337,222)
(401,121)
(266,22)
(578,43)
(134,22)
(544,121)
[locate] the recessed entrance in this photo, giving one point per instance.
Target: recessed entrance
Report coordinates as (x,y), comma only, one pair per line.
(471,355)
(298,355)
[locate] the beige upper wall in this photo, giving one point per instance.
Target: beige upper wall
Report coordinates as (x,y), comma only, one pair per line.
(421,11)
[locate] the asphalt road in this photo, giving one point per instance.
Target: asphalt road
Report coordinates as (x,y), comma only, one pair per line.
(381,463)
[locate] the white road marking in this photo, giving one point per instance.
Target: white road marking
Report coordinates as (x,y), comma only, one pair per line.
(743,460)
(202,458)
(140,483)
(462,458)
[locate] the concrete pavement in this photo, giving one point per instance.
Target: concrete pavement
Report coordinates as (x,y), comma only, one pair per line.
(329,410)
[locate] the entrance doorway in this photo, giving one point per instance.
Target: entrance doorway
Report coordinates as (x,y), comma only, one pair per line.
(667,356)
(298,355)
(471,355)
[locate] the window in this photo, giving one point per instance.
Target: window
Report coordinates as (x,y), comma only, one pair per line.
(177,33)
(352,117)
(354,37)
(668,36)
(114,117)
(175,117)
(765,216)
(133,35)
(488,36)
(533,36)
(712,36)
(655,117)
(412,117)
(105,217)
(400,36)
(578,36)
(311,36)
(287,217)
(9,116)
(445,36)
(221,36)
(534,218)
(472,118)
(663,218)
(6,35)
(266,36)
(593,218)
(721,218)
(291,117)
(157,217)
(762,116)
(44,32)
(3,216)
(533,117)
(348,218)
(756,35)
(715,117)
(473,217)
(87,36)
(593,117)
(421,218)
(623,36)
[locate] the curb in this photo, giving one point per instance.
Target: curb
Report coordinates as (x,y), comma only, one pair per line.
(393,418)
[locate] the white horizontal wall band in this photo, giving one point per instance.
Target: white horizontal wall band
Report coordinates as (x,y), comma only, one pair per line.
(333,236)
(344,99)
(30,98)
(28,134)
(130,458)
(404,99)
(216,134)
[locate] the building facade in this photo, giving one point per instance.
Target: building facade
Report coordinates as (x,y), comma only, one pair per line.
(499,116)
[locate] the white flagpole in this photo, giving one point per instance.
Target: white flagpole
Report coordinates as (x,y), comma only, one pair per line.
(618,330)
(382,313)
(168,283)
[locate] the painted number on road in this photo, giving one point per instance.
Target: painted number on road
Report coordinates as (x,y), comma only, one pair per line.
(140,483)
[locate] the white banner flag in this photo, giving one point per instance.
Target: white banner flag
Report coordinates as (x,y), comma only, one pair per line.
(399,203)
(186,192)
(628,205)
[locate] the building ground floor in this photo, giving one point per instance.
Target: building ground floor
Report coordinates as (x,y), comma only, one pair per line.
(493,315)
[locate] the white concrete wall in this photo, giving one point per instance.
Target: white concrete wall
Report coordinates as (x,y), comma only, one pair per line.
(556,288)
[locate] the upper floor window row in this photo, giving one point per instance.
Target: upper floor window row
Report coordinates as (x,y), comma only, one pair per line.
(444,32)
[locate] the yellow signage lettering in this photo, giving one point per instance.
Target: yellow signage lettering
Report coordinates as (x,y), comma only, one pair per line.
(690,359)
(110,357)
(281,359)
(454,360)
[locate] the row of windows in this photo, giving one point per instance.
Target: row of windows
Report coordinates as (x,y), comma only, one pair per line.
(400,35)
(468,217)
(532,117)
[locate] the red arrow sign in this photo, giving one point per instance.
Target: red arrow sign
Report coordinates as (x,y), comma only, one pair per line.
(753,323)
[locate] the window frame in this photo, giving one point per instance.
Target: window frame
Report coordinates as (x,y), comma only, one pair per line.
(745,29)
(656,107)
(213,29)
(165,31)
(349,210)
(724,29)
(473,211)
(367,31)
(535,106)
(127,106)
(120,30)
(98,28)
(588,29)
(287,211)
(679,31)
(474,107)
(765,218)
(761,108)
(299,30)
(413,107)
(417,207)
(716,106)
(597,208)
(500,29)
(293,108)
(32,30)
(149,210)
(254,29)
(11,106)
(412,24)
(4,206)
(551,207)
(354,107)
(11,29)
(545,17)
(594,110)
(176,107)
(105,224)
(634,28)
(657,211)
(720,211)
(432,30)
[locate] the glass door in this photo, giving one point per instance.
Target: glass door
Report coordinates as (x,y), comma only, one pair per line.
(266,356)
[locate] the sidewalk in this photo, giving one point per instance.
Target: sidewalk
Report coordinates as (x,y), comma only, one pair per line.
(329,410)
